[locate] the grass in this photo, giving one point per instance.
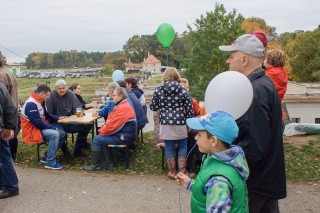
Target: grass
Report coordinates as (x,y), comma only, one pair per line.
(89,85)
(146,158)
(303,162)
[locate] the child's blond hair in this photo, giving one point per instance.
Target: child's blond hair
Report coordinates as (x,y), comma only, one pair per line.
(275,58)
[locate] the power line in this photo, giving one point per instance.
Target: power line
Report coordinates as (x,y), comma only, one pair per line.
(12,52)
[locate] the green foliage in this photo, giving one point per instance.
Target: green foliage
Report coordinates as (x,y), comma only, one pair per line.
(304,55)
(138,47)
(255,23)
(204,59)
(63,59)
(119,63)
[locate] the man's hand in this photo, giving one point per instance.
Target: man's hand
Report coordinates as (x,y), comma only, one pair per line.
(95,114)
(62,117)
(7,134)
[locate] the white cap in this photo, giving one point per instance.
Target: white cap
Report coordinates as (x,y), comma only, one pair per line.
(61,82)
(246,43)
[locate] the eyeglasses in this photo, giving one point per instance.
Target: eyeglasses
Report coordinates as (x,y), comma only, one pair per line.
(46,94)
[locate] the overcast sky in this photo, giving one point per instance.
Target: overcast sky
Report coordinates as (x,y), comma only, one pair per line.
(105,25)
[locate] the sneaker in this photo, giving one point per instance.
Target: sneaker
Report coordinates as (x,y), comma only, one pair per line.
(53,166)
(43,160)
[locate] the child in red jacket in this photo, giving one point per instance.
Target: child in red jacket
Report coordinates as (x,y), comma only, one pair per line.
(274,64)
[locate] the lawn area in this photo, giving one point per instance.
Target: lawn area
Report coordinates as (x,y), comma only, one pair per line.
(302,153)
(302,162)
(89,85)
(146,158)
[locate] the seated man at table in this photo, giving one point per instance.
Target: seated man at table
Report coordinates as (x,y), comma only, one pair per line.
(141,113)
(33,119)
(63,102)
(120,128)
(107,109)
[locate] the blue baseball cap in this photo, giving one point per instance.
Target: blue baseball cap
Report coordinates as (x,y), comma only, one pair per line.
(220,124)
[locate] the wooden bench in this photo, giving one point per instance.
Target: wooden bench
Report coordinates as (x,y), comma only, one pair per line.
(126,152)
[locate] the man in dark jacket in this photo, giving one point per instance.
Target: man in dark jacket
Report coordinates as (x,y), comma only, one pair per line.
(8,122)
(260,133)
(10,82)
(63,102)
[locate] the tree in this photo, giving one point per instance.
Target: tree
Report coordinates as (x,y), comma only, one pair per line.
(254,23)
(119,63)
(136,48)
(204,59)
(304,53)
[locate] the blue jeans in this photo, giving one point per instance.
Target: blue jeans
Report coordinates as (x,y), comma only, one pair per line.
(8,176)
(55,139)
(182,147)
(82,130)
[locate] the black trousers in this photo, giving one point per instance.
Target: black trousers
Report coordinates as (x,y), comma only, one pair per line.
(195,157)
(13,143)
(260,204)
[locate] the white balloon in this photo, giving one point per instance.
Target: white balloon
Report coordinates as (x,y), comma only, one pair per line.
(229,91)
(117,75)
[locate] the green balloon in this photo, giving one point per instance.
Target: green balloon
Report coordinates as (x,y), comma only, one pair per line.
(165,34)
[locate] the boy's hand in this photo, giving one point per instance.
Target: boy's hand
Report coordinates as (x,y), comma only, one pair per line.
(182,179)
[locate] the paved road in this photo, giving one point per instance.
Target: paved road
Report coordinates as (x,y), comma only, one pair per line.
(65,191)
(75,191)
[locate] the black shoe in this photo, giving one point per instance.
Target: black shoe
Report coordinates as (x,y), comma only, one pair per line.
(87,146)
(109,167)
(5,194)
(92,168)
(79,153)
(1,188)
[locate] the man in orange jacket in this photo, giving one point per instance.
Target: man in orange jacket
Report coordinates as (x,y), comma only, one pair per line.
(120,128)
(35,129)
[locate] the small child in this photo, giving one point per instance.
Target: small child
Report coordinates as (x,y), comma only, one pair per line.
(274,67)
(221,183)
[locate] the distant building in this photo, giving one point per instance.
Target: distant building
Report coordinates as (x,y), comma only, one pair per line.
(303,102)
(133,68)
(151,64)
(14,68)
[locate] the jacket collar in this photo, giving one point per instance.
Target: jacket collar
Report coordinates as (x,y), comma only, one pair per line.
(256,74)
(38,99)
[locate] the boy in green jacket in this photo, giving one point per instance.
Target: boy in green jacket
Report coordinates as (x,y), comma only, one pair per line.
(221,183)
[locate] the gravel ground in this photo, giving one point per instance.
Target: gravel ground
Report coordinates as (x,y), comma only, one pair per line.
(75,191)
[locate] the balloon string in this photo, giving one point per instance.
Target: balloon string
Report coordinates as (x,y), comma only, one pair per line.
(167,49)
(179,169)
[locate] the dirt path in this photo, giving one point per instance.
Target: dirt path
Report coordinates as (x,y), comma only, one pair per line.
(69,191)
